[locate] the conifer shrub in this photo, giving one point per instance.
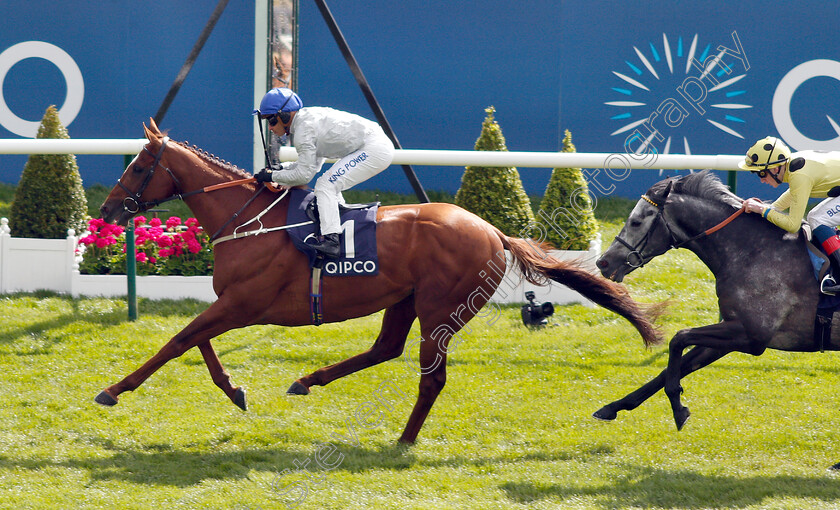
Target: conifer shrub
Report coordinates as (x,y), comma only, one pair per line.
(49,198)
(495,194)
(566,216)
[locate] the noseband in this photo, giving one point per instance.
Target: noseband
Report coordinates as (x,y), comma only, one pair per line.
(133,203)
(635,259)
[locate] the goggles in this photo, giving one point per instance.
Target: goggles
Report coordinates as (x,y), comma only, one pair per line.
(272,119)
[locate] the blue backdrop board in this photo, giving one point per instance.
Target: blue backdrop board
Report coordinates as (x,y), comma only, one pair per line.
(119,59)
(604,70)
(627,66)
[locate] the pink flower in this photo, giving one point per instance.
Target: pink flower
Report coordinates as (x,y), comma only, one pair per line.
(139,220)
(154,222)
(110,230)
(88,239)
(156,232)
(164,241)
(141,257)
(193,246)
(101,243)
(173,222)
(191,222)
(165,252)
(95,224)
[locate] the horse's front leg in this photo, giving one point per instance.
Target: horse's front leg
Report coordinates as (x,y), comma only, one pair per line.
(221,376)
(724,336)
(694,360)
(210,323)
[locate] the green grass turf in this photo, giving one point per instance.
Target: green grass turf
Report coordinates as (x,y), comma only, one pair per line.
(512,428)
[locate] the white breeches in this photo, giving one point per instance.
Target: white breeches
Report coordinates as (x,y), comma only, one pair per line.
(826,213)
(374,156)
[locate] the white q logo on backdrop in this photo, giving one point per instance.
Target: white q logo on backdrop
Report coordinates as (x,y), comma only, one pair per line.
(64,62)
(784,94)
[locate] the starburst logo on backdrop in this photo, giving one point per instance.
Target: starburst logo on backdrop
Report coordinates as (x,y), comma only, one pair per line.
(656,76)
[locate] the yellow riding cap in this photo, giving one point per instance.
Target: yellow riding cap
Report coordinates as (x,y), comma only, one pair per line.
(767,153)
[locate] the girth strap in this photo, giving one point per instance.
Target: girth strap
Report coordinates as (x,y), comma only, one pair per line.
(315,291)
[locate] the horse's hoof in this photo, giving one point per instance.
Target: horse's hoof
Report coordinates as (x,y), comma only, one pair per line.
(239,399)
(297,389)
(605,414)
(105,399)
(681,417)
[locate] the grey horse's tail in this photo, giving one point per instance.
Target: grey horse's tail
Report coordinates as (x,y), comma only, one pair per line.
(537,267)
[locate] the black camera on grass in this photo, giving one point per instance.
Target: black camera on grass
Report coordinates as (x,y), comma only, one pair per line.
(536,314)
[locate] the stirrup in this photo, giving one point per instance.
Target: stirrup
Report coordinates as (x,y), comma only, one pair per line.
(829,286)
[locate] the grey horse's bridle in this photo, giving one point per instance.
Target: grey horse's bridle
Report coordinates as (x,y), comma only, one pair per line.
(635,259)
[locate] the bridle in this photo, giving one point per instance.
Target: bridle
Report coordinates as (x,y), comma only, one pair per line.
(634,257)
(133,202)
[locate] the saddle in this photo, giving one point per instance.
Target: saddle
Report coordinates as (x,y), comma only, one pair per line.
(312,208)
(358,255)
(358,237)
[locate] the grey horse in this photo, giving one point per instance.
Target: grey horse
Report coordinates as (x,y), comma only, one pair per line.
(765,282)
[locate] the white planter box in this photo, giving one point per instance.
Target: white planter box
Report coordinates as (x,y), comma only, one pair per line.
(151,287)
(28,265)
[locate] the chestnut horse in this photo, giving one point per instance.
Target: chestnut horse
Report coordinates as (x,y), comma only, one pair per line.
(433,266)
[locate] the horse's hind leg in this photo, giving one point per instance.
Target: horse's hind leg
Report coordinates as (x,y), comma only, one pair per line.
(694,360)
(390,343)
(212,322)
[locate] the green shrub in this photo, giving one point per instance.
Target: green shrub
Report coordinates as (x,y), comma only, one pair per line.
(565,214)
(495,193)
(7,193)
(49,198)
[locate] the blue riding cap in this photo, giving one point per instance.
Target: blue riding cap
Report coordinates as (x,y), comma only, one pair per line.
(279,99)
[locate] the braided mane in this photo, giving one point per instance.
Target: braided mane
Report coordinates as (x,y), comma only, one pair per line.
(212,158)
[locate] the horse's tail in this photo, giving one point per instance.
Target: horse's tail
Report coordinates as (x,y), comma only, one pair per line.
(537,266)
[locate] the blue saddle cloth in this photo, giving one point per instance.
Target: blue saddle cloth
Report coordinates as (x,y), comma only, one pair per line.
(358,237)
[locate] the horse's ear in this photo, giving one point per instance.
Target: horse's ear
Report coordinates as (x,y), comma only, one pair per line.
(154,126)
(149,135)
(667,189)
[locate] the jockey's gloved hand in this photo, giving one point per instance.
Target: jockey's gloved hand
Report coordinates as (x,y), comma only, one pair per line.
(806,228)
(263,175)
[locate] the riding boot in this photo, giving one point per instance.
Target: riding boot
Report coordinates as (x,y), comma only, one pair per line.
(830,285)
(830,244)
(328,244)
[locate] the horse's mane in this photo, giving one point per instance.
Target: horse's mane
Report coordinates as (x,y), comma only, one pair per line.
(212,158)
(704,185)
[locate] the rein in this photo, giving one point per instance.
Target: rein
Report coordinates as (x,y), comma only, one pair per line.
(634,257)
(133,203)
(139,205)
